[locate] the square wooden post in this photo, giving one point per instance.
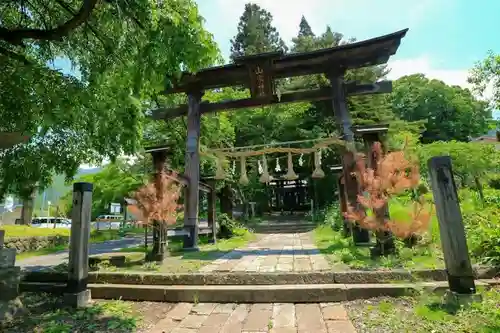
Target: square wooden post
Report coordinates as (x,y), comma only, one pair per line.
(212,204)
(371,134)
(78,268)
(451,228)
(343,118)
(192,170)
(346,225)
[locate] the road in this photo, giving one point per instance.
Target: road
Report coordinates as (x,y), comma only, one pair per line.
(42,262)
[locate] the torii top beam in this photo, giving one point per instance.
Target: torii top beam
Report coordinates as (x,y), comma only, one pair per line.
(365,53)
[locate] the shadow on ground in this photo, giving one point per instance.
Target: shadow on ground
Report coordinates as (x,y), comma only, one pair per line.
(46,313)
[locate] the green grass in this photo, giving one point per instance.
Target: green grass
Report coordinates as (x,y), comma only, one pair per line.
(42,252)
(179,261)
(27,231)
(45,313)
(96,236)
(427,313)
(343,254)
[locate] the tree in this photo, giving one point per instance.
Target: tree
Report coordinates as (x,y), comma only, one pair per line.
(487,72)
(120,56)
(256,34)
(452,113)
(113,183)
(304,28)
(392,174)
(158,203)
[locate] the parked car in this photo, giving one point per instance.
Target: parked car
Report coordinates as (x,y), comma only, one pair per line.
(51,222)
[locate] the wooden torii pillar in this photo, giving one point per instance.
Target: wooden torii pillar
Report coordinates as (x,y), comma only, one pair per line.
(371,134)
(192,169)
(346,225)
(352,189)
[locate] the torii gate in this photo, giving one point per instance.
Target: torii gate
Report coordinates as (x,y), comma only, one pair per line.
(259,72)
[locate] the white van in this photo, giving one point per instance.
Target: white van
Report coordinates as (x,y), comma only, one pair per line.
(51,222)
(108,222)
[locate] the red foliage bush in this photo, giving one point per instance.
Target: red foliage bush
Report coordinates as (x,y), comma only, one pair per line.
(393,174)
(158,200)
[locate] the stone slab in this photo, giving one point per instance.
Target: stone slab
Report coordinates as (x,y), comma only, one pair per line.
(77,300)
(7,258)
(258,318)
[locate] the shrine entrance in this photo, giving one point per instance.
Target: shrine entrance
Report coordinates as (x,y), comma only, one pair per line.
(289,196)
(259,73)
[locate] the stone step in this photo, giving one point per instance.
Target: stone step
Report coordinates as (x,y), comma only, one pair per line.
(304,293)
(284,228)
(258,278)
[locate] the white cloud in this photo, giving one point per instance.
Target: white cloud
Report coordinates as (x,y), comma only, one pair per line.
(424,65)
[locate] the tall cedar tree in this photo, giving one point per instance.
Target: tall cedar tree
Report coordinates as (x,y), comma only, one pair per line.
(304,28)
(256,34)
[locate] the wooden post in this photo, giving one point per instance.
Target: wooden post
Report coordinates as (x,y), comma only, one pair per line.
(346,225)
(192,170)
(385,240)
(77,293)
(451,227)
(212,203)
(339,103)
(226,200)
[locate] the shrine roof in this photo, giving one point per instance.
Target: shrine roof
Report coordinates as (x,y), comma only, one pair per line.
(360,54)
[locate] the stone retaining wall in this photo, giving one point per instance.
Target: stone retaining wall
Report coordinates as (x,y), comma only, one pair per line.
(24,244)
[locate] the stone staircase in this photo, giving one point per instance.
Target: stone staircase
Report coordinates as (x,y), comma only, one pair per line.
(283,225)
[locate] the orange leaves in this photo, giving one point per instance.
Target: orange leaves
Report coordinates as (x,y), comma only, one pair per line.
(388,175)
(158,200)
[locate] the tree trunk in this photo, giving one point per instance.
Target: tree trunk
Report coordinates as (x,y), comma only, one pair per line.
(479,188)
(27,210)
(160,246)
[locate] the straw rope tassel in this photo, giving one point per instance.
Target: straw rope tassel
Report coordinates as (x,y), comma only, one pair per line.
(220,173)
(265,177)
(318,172)
(243,178)
(290,174)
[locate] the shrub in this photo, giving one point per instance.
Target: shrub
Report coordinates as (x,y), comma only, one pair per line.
(393,175)
(157,201)
(227,226)
(332,216)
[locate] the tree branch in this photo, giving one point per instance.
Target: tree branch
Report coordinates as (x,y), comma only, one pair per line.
(94,30)
(15,56)
(16,36)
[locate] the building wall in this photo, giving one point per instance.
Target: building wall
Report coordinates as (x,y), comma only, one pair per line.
(7,218)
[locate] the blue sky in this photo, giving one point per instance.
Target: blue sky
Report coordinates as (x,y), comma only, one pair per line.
(445,39)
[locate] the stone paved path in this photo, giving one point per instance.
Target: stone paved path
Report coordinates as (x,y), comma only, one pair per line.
(246,318)
(273,253)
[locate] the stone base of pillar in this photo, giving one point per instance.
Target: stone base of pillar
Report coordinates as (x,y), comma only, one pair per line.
(77,300)
(10,278)
(360,235)
(190,241)
(8,309)
(461,300)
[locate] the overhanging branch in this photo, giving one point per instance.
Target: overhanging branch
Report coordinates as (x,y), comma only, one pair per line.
(16,36)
